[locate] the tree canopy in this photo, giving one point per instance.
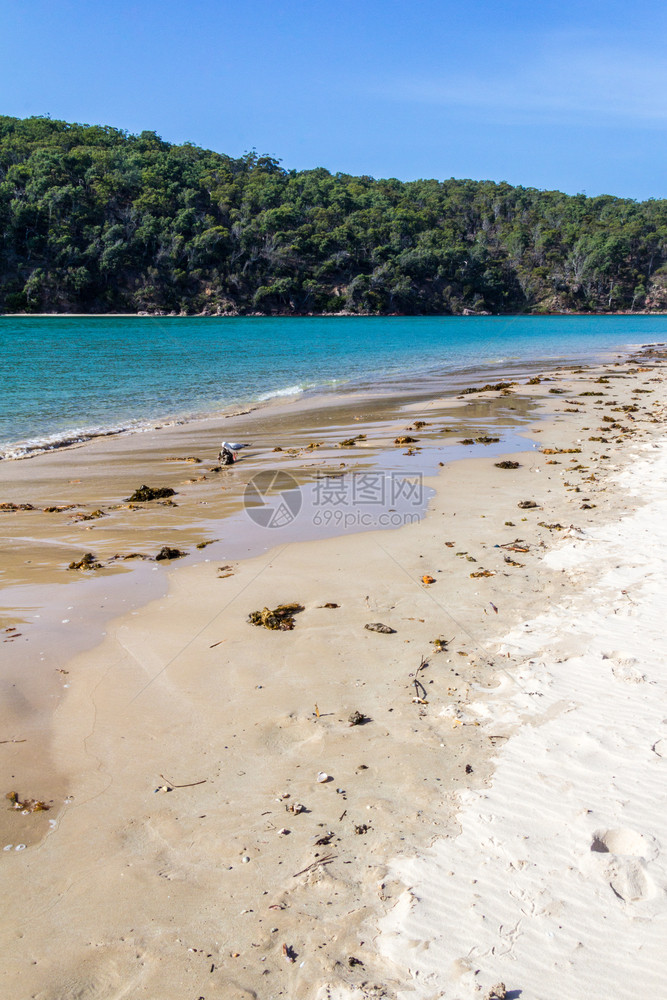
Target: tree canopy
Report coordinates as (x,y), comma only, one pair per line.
(93,219)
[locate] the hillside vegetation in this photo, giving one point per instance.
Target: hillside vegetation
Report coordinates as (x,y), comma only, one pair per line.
(93,219)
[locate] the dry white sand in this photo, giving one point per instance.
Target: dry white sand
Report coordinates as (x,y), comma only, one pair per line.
(555,882)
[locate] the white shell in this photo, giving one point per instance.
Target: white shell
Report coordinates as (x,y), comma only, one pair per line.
(322,776)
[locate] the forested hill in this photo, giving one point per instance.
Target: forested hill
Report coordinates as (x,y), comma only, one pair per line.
(95,220)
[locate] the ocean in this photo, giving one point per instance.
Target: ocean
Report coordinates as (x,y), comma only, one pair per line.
(65,379)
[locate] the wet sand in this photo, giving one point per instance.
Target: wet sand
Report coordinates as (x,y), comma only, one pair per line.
(172,749)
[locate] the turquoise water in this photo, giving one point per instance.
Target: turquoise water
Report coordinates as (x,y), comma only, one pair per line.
(66,378)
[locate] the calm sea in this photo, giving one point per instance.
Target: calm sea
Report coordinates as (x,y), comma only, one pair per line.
(67,378)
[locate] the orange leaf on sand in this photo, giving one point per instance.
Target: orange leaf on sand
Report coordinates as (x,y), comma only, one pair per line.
(428,579)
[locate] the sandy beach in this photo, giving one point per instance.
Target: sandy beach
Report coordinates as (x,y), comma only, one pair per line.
(473,798)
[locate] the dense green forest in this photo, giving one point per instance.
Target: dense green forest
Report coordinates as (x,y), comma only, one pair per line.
(93,219)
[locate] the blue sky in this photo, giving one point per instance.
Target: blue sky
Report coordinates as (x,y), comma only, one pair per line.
(551,95)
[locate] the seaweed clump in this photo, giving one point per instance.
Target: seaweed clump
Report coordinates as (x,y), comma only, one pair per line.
(26,805)
(508,465)
(280,618)
(146,493)
(87,561)
(498,387)
(166,552)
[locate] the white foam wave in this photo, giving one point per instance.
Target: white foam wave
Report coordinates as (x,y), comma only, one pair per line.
(290,390)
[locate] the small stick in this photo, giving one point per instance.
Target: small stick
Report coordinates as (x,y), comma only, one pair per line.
(190,784)
(342,815)
(217,643)
(13,741)
(320,861)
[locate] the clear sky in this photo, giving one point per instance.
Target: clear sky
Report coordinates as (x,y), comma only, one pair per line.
(569,94)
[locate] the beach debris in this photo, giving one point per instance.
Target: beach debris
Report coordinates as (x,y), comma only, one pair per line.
(202,545)
(589,393)
(87,561)
(428,579)
(26,806)
(323,777)
(93,516)
(535,380)
(225,571)
(513,562)
(357,719)
(418,424)
(510,524)
(487,388)
(296,808)
(187,458)
(551,527)
(485,439)
(481,573)
(166,552)
(527,504)
(497,992)
(557,392)
(361,828)
(283,831)
(405,439)
(289,953)
(352,961)
(468,441)
(440,644)
(330,604)
(132,555)
(507,465)
(280,618)
(325,839)
(493,606)
(379,627)
(19,506)
(560,451)
(146,493)
(450,545)
(327,859)
(188,784)
(351,442)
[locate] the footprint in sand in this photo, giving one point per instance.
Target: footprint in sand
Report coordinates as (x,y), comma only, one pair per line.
(625,867)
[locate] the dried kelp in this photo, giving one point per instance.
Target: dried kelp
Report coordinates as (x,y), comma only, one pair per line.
(166,552)
(87,561)
(146,493)
(26,805)
(280,618)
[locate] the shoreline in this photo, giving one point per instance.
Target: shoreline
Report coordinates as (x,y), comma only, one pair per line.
(312,315)
(372,576)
